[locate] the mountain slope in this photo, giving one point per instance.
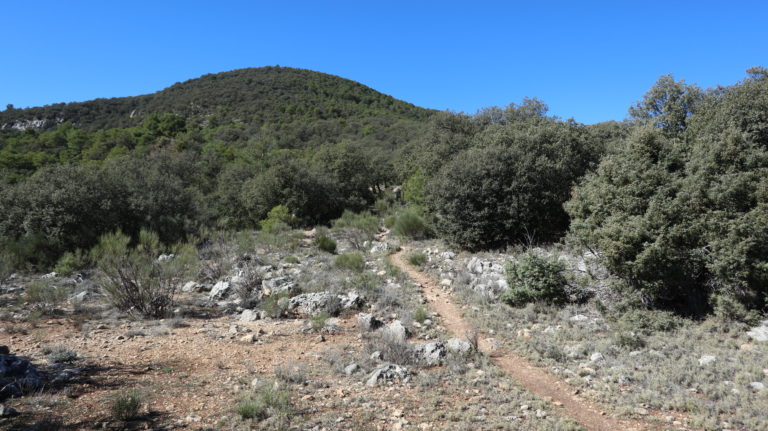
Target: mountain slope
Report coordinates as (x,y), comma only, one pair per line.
(250,96)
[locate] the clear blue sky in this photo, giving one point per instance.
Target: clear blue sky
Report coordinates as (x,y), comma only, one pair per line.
(586,60)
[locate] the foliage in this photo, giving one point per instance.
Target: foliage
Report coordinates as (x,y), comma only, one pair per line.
(70,262)
(45,295)
(357,228)
(533,278)
(352,261)
(126,405)
(61,355)
(410,224)
(511,184)
(276,304)
(278,219)
(680,219)
(268,401)
(138,279)
(325,244)
(417,259)
(668,105)
(420,315)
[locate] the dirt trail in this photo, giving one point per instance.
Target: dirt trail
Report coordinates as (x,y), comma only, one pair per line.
(535,379)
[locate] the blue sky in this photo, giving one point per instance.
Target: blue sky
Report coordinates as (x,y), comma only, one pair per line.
(586,60)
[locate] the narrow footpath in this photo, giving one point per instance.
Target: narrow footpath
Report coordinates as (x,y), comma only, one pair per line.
(590,415)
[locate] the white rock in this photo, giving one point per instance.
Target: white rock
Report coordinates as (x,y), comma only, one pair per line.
(707,359)
(759,333)
(597,357)
(757,386)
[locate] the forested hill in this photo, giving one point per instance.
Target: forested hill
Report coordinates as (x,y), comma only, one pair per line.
(250,96)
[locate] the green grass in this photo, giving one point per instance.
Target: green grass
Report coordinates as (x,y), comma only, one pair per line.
(352,261)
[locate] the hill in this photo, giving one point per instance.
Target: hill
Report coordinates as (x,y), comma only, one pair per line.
(250,96)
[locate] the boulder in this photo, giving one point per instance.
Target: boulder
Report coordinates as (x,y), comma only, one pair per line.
(190,286)
(310,304)
(220,290)
(351,300)
(395,331)
(388,373)
(17,376)
(276,285)
(759,333)
(368,322)
(250,316)
(430,353)
(459,346)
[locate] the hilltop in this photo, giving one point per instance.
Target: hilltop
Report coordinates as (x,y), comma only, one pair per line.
(253,96)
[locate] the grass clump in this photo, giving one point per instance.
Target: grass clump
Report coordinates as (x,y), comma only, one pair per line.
(352,261)
(421,314)
(126,405)
(317,322)
(268,401)
(534,278)
(417,259)
(43,295)
(325,244)
(60,355)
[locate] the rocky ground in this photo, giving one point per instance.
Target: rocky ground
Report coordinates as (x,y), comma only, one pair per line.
(274,335)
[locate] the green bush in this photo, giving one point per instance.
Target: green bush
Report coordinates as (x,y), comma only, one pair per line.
(44,295)
(268,402)
(410,224)
(326,244)
(279,219)
(352,261)
(136,279)
(389,221)
(275,305)
(70,262)
(60,355)
(126,405)
(417,259)
(421,315)
(533,278)
(648,321)
(510,186)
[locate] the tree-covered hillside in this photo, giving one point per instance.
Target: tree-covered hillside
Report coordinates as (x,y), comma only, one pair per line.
(254,96)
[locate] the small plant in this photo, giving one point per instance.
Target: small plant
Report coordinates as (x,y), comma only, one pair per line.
(649,321)
(410,225)
(70,262)
(325,244)
(126,405)
(317,322)
(293,372)
(292,259)
(420,315)
(279,219)
(275,305)
(352,261)
(44,295)
(389,221)
(268,402)
(534,278)
(60,355)
(417,259)
(629,340)
(357,228)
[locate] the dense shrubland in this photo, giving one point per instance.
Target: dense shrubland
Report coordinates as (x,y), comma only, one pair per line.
(673,200)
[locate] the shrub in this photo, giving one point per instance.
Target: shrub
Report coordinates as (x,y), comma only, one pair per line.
(317,322)
(534,278)
(60,355)
(45,295)
(352,261)
(268,402)
(70,262)
(326,244)
(648,321)
(279,219)
(410,224)
(136,279)
(510,185)
(417,259)
(126,405)
(357,227)
(275,305)
(389,221)
(420,315)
